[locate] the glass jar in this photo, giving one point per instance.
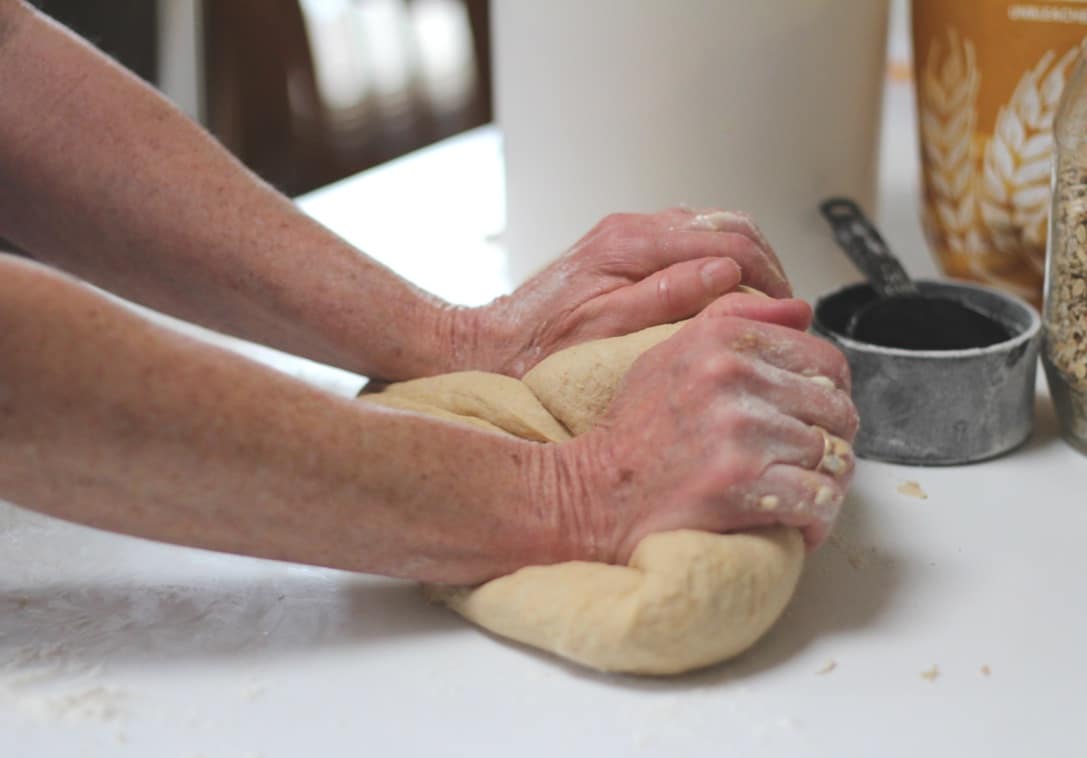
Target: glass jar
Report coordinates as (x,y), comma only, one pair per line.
(1064,353)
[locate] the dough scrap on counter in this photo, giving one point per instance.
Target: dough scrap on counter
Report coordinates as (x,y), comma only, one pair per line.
(911,488)
(687,599)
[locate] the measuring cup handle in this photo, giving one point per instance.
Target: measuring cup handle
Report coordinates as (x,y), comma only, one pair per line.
(866,248)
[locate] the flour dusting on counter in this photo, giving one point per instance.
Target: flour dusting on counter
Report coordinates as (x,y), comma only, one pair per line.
(56,691)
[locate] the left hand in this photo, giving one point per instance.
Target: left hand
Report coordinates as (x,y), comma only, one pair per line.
(631,271)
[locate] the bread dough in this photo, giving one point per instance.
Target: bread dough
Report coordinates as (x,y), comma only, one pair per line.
(577,384)
(497,400)
(686,599)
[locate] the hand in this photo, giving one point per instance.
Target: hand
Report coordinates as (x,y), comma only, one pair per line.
(719,429)
(630,272)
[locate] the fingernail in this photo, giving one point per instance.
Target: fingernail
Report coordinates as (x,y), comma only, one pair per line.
(712,274)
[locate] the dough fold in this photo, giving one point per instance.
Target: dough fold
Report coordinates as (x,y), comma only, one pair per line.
(687,599)
(497,400)
(577,384)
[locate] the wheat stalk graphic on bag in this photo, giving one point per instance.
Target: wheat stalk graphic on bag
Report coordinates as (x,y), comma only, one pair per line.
(1014,188)
(947,95)
(987,198)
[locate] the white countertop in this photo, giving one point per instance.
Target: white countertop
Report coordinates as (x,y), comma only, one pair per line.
(111,645)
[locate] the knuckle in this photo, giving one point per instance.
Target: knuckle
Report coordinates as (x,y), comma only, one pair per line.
(608,230)
(715,364)
(853,421)
(717,312)
(807,311)
(819,504)
(832,357)
(846,375)
(842,417)
(737,423)
(693,339)
(747,247)
(828,501)
(735,474)
(839,362)
(832,361)
(741,216)
(727,367)
(725,326)
(619,222)
(665,291)
(752,227)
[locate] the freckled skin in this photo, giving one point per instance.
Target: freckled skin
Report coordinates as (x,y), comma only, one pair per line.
(111,421)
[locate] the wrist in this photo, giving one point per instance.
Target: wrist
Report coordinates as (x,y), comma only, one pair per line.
(433,337)
(565,491)
(456,334)
(475,338)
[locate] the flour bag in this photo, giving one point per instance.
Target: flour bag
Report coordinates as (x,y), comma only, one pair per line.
(989,75)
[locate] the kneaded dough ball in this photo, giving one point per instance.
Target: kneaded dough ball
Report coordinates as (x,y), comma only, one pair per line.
(687,599)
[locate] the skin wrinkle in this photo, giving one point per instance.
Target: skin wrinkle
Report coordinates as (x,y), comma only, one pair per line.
(595,532)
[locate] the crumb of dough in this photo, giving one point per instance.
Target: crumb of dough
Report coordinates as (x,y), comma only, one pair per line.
(911,488)
(828,667)
(985,670)
(931,673)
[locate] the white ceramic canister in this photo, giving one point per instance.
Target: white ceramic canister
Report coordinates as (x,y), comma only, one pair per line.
(765,106)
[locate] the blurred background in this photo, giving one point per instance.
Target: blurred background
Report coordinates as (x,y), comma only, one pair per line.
(304,92)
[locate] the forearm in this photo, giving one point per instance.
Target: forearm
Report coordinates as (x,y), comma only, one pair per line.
(106,179)
(112,421)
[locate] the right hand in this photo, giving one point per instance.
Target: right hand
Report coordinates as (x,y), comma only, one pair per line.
(718,428)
